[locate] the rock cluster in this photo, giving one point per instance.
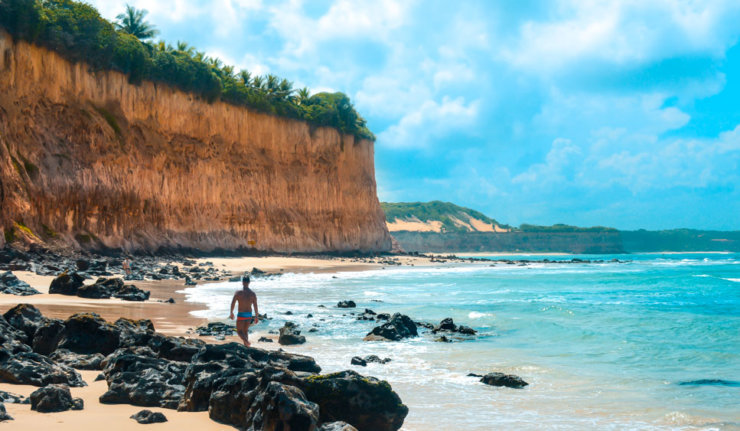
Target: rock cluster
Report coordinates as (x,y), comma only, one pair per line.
(240,386)
(290,334)
(397,328)
(10,284)
(103,288)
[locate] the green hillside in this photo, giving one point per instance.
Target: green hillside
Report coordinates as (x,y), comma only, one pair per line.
(443,212)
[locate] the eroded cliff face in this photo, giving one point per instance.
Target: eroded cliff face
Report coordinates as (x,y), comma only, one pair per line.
(87,158)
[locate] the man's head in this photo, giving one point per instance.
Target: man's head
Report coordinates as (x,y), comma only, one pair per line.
(245,281)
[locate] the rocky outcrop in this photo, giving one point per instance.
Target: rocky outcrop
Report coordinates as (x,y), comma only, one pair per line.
(9,283)
(397,328)
(88,159)
(54,398)
(290,334)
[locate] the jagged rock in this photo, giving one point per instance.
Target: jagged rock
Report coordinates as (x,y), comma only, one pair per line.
(383,316)
(230,402)
(89,333)
(102,289)
(446,325)
(189,281)
(54,398)
(29,368)
(26,318)
(265,340)
(67,284)
(376,359)
(48,336)
(143,381)
(346,304)
(501,379)
(466,330)
(10,284)
(282,407)
(4,416)
(358,361)
(130,292)
(365,402)
(79,361)
(397,328)
(9,334)
(10,398)
(289,334)
(216,328)
(337,426)
(174,348)
(149,417)
(368,314)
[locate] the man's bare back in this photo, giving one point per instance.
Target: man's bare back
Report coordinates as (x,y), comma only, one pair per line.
(247,311)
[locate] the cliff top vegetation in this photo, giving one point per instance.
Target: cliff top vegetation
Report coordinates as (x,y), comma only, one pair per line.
(76,31)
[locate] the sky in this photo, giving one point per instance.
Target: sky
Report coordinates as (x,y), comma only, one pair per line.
(617,113)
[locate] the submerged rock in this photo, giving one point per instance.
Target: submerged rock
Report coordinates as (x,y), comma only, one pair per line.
(54,398)
(501,379)
(149,417)
(397,328)
(10,284)
(346,304)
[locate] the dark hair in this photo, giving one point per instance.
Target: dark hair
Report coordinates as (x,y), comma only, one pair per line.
(245,278)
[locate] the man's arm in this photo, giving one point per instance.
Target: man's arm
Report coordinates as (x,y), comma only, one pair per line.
(231,310)
(256,310)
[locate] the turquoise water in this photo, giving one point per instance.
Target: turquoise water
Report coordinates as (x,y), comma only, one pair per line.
(602,345)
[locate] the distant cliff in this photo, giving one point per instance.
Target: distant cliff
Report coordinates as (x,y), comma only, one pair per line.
(89,160)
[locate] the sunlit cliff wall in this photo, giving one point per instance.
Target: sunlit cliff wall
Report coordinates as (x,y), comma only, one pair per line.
(87,159)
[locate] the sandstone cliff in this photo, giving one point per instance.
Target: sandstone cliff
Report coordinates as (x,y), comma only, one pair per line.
(88,159)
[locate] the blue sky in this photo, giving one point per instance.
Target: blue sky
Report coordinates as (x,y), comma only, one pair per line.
(619,113)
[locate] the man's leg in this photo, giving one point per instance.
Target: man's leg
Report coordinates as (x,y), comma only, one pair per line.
(241,331)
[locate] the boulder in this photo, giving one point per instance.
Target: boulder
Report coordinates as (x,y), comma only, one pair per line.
(337,426)
(9,334)
(48,336)
(397,328)
(358,361)
(54,398)
(26,318)
(10,398)
(94,291)
(79,361)
(130,292)
(67,284)
(29,368)
(89,333)
(149,417)
(501,379)
(143,381)
(365,402)
(445,325)
(346,304)
(376,359)
(282,407)
(289,334)
(10,284)
(4,416)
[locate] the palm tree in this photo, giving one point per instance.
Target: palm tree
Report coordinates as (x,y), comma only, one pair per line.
(303,95)
(132,22)
(258,82)
(272,84)
(285,89)
(184,48)
(246,77)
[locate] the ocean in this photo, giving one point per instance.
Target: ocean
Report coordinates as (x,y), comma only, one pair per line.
(651,343)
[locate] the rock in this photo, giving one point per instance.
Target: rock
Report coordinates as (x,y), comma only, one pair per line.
(170,301)
(79,361)
(365,402)
(346,304)
(282,407)
(26,318)
(397,328)
(10,284)
(67,284)
(143,381)
(94,291)
(29,368)
(383,316)
(256,271)
(216,328)
(501,379)
(368,314)
(189,281)
(337,426)
(54,398)
(89,333)
(130,292)
(376,359)
(466,330)
(289,334)
(48,336)
(445,325)
(265,340)
(7,397)
(149,417)
(358,361)
(442,339)
(4,416)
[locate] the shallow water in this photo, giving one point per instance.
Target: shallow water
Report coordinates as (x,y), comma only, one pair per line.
(602,345)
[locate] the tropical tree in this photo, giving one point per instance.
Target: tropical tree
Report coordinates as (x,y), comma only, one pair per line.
(302,96)
(132,22)
(246,78)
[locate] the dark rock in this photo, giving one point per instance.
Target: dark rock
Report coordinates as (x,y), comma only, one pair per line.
(130,292)
(383,316)
(89,333)
(446,325)
(346,304)
(170,301)
(48,336)
(4,416)
(376,359)
(94,291)
(265,340)
(54,398)
(466,330)
(82,264)
(282,407)
(10,336)
(256,271)
(367,315)
(7,397)
(100,377)
(149,417)
(501,379)
(79,361)
(143,381)
(10,284)
(442,339)
(26,318)
(365,402)
(29,368)
(358,361)
(337,426)
(189,281)
(711,382)
(397,328)
(216,328)
(289,334)
(67,284)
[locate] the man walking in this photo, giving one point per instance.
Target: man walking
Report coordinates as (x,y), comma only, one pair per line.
(247,300)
